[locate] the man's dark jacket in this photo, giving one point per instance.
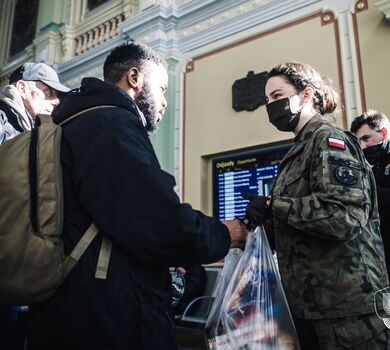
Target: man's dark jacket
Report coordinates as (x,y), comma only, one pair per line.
(112,177)
(381,170)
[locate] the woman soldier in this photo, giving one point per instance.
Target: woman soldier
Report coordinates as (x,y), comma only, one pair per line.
(325,218)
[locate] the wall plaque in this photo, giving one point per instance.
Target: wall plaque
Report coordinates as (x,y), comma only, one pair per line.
(249,92)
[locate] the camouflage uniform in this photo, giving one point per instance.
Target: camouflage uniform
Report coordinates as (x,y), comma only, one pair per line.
(326,228)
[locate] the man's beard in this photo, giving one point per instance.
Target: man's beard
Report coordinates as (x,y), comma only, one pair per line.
(148,107)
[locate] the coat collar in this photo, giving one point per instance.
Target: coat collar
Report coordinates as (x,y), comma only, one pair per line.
(304,136)
(11,97)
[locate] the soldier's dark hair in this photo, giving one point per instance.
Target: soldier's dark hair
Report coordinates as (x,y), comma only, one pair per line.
(374,119)
(301,75)
(126,56)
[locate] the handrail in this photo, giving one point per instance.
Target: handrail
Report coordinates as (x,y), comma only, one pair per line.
(184,317)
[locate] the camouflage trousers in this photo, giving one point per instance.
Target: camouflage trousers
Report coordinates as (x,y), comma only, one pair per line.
(364,332)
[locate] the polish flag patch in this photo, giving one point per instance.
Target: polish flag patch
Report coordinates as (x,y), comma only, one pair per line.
(336,143)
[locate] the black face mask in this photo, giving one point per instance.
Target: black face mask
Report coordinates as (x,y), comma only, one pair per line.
(374,153)
(280,115)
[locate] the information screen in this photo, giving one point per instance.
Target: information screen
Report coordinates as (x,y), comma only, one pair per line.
(252,172)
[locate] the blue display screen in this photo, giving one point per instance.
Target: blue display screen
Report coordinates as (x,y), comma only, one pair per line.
(252,172)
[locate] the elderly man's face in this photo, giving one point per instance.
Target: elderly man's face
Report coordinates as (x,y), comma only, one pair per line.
(39,98)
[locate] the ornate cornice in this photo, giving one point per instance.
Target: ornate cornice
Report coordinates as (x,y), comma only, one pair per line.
(195,24)
(384,6)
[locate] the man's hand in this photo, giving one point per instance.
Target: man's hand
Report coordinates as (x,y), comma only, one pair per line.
(257,210)
(238,233)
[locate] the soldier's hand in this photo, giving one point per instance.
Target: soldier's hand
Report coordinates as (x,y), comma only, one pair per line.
(257,210)
(238,233)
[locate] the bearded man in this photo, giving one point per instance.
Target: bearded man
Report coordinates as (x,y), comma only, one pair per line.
(112,177)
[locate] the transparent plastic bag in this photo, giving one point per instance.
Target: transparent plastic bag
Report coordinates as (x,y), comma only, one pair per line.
(250,310)
(230,263)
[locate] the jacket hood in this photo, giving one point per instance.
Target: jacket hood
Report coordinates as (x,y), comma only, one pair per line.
(92,92)
(11,97)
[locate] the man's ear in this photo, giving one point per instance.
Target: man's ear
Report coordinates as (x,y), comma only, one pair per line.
(133,78)
(21,85)
(384,133)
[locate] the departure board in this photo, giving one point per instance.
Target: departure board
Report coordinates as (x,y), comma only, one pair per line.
(252,172)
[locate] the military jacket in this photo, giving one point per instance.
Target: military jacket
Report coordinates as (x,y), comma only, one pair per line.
(326,225)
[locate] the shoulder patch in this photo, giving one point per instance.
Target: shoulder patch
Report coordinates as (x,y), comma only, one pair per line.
(345,175)
(336,143)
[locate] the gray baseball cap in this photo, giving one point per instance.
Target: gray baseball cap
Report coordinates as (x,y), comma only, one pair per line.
(38,72)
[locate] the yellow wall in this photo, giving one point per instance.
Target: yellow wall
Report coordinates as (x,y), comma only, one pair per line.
(211,124)
(374,39)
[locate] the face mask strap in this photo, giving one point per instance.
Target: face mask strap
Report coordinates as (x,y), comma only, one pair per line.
(295,114)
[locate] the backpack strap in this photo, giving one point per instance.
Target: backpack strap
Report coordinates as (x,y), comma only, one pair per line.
(104,255)
(84,111)
(84,242)
(82,245)
(104,258)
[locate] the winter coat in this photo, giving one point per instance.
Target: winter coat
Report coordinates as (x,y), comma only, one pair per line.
(381,170)
(112,177)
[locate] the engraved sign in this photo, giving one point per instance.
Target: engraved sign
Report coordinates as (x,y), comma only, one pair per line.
(249,92)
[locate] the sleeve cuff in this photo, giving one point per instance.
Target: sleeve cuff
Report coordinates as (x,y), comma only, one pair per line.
(281,208)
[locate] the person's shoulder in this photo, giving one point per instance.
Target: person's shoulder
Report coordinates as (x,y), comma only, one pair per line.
(330,137)
(124,117)
(109,116)
(328,128)
(330,131)
(119,122)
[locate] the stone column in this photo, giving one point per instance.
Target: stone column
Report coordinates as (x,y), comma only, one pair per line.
(165,140)
(48,41)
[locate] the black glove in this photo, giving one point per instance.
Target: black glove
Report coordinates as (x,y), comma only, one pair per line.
(257,210)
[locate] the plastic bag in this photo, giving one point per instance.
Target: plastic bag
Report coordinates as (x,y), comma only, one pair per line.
(250,310)
(230,263)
